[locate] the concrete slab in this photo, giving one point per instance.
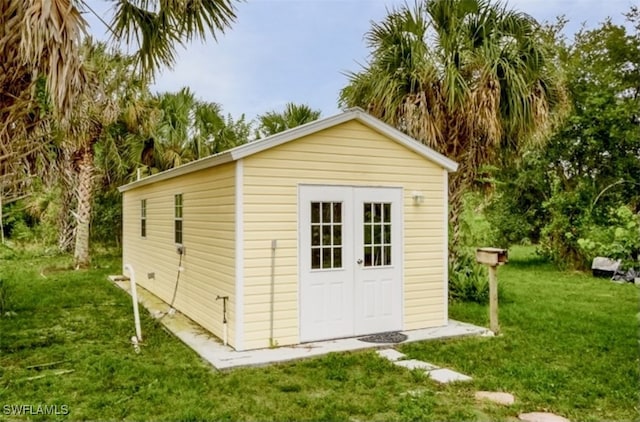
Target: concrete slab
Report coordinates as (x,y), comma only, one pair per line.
(391,354)
(416,364)
(220,356)
(445,376)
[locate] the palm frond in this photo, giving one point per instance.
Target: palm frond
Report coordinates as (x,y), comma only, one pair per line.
(159,27)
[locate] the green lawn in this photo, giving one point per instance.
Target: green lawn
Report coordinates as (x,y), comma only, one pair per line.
(569,345)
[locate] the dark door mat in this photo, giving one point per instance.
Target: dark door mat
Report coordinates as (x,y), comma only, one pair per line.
(391,337)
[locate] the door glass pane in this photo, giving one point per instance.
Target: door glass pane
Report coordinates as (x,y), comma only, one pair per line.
(367,256)
(315,212)
(387,255)
(387,213)
(315,258)
(337,235)
(377,213)
(377,234)
(377,237)
(377,256)
(337,257)
(315,235)
(326,212)
(367,234)
(326,257)
(326,235)
(337,212)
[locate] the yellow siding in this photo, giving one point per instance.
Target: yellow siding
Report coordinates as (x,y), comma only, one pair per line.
(208,236)
(347,154)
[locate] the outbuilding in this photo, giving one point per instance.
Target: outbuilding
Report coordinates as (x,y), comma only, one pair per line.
(336,228)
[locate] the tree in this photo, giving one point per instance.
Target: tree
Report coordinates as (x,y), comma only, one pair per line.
(293,115)
(111,79)
(43,78)
(42,38)
(189,129)
(42,72)
(40,46)
(469,78)
(576,186)
(593,161)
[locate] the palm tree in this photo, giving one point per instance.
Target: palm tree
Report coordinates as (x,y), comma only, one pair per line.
(43,79)
(469,78)
(273,122)
(189,129)
(96,109)
(42,38)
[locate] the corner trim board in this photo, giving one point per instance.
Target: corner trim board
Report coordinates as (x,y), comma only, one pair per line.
(445,227)
(239,255)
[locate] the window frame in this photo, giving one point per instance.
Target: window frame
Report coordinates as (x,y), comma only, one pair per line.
(143,218)
(178,218)
(380,235)
(335,248)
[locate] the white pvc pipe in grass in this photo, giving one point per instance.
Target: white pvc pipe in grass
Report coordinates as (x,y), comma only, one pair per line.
(134,297)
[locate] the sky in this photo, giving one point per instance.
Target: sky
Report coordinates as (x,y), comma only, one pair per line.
(281,51)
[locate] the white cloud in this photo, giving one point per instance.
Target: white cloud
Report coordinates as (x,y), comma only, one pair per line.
(296,50)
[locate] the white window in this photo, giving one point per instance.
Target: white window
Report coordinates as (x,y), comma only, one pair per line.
(178,218)
(326,235)
(143,218)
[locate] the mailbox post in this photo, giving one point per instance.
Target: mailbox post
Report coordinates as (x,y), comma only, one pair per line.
(492,257)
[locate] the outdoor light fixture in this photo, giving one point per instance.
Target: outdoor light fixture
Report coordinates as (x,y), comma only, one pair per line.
(418,197)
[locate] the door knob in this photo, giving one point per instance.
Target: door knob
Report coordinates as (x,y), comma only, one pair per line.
(359,262)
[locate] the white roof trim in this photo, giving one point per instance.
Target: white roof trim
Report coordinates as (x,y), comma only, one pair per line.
(254,147)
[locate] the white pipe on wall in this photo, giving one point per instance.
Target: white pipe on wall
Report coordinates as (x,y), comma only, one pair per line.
(134,297)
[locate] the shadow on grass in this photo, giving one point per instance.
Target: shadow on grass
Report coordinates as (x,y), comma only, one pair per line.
(526,257)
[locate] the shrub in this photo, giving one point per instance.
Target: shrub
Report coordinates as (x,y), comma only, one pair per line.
(468,280)
(566,219)
(618,240)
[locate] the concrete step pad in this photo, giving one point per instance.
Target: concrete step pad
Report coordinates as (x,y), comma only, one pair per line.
(416,364)
(496,397)
(445,376)
(391,354)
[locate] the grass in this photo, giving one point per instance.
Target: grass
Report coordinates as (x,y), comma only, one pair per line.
(569,346)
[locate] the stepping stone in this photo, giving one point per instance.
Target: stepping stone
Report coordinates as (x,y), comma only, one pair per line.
(445,376)
(496,397)
(391,354)
(541,417)
(415,364)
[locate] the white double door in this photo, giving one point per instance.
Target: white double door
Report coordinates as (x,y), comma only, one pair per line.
(350,248)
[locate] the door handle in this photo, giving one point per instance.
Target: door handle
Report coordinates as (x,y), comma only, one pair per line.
(359,262)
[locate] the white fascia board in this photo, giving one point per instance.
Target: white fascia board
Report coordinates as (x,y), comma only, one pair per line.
(351,114)
(201,164)
(254,147)
(290,135)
